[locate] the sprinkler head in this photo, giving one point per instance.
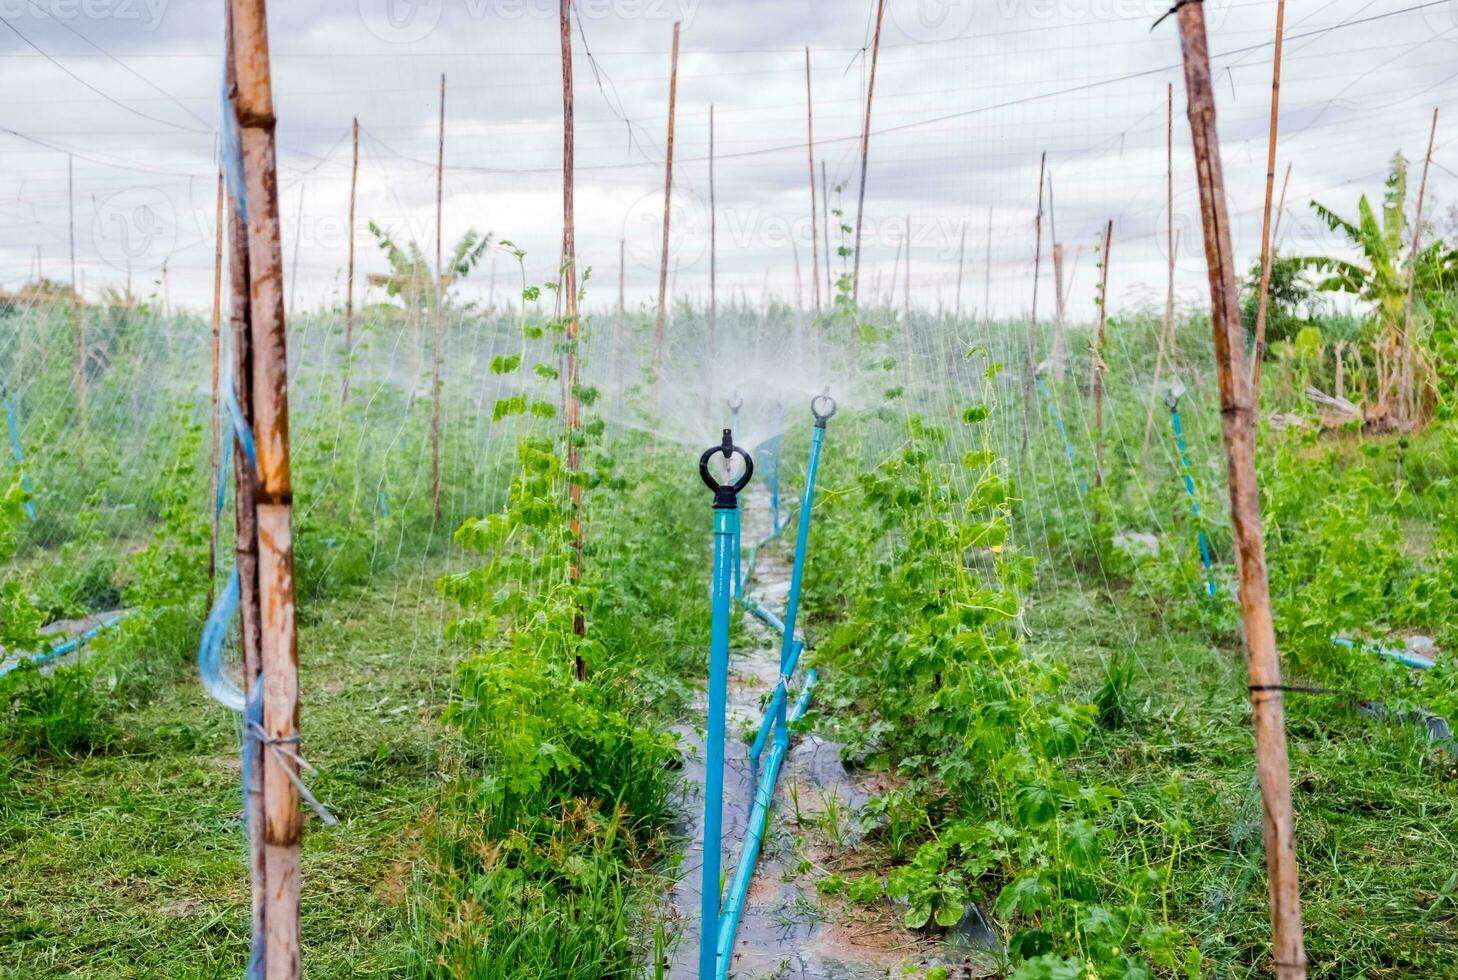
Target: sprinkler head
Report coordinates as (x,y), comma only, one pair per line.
(735,403)
(1173,394)
(726,495)
(822,414)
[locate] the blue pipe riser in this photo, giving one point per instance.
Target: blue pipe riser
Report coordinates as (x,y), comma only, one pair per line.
(777,700)
(726,530)
(754,836)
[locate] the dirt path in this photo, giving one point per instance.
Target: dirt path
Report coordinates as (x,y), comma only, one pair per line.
(788,930)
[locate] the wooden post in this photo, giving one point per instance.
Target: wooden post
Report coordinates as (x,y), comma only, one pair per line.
(71,212)
(713,251)
(214,420)
(618,343)
(961,255)
(1258,354)
(1098,358)
(1167,334)
(1238,421)
(987,273)
(825,233)
(866,149)
(659,325)
(349,275)
(435,367)
(1029,365)
(569,295)
(810,159)
(906,294)
(282,824)
(298,237)
(1406,404)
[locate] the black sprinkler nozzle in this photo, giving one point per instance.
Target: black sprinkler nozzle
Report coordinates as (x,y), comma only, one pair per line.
(726,495)
(821,417)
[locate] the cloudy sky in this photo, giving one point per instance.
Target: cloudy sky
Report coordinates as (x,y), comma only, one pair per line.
(969,94)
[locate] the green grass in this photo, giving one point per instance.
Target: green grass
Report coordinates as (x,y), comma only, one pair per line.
(1376,806)
(131,863)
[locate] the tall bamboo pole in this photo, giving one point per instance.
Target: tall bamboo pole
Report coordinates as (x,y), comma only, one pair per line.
(1166,335)
(810,160)
(569,295)
(660,324)
(273,491)
(215,439)
(1060,339)
(1098,358)
(245,507)
(1407,406)
(349,275)
(1238,421)
(825,232)
(1028,352)
(435,366)
(1258,354)
(961,256)
(866,149)
(906,294)
(713,250)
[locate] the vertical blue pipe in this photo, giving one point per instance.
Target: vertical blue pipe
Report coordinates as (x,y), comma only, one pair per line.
(789,646)
(726,528)
(1062,433)
(1174,419)
(18,453)
(726,540)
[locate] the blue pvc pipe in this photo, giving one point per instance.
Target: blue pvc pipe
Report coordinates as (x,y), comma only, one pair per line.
(1057,417)
(1179,434)
(763,615)
(69,646)
(1392,653)
(18,453)
(772,710)
(754,835)
(726,536)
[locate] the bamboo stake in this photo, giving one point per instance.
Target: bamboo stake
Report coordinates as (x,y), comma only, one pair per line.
(1167,334)
(349,276)
(1098,359)
(825,231)
(961,255)
(282,824)
(907,292)
(569,295)
(1406,405)
(1028,365)
(435,382)
(1238,422)
(214,420)
(1263,300)
(1060,330)
(713,246)
(1280,209)
(866,149)
(298,237)
(618,322)
(987,273)
(245,514)
(810,159)
(659,325)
